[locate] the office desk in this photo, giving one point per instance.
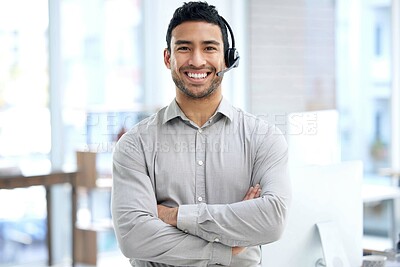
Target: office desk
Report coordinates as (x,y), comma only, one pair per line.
(47,180)
(371,192)
(377,193)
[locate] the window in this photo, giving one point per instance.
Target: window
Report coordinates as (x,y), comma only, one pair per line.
(365,92)
(101,70)
(98,78)
(100,83)
(364,84)
(24,81)
(24,126)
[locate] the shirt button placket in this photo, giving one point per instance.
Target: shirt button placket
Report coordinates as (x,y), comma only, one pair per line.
(200,166)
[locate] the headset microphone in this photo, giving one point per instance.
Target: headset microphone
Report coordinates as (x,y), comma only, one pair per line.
(234,65)
(231,55)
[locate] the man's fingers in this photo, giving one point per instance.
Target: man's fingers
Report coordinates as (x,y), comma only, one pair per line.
(250,193)
(258,193)
(253,192)
(237,250)
(247,196)
(167,214)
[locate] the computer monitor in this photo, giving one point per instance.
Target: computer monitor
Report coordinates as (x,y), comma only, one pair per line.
(321,193)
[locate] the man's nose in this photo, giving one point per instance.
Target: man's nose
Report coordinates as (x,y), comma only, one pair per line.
(197,58)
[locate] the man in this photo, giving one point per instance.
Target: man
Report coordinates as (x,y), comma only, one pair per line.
(200,183)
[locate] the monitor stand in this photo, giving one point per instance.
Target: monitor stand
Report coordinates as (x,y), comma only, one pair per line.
(332,246)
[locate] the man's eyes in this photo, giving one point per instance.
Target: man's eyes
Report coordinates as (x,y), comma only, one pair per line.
(185,48)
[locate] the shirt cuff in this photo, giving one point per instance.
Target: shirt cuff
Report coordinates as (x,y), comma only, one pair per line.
(187,218)
(222,255)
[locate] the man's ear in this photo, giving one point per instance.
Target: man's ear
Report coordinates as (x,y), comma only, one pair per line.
(167,58)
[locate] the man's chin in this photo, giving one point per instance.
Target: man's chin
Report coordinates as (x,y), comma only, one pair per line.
(198,95)
(197,91)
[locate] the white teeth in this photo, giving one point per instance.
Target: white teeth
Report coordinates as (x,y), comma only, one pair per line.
(197,75)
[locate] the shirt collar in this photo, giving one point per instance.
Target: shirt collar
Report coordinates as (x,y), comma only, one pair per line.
(226,109)
(173,111)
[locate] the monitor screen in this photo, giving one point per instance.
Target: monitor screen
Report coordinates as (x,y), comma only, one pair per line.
(321,193)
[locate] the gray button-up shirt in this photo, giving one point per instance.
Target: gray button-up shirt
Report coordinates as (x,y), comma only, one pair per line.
(206,171)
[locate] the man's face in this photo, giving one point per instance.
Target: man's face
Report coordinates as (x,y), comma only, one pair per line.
(197,54)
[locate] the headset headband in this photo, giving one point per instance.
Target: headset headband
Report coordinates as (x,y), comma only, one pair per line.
(230,31)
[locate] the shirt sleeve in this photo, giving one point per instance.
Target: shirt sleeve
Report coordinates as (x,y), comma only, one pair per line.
(252,222)
(140,234)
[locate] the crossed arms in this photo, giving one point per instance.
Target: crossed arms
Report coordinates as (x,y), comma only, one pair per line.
(170,215)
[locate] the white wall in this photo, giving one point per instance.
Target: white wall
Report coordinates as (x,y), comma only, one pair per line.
(292,55)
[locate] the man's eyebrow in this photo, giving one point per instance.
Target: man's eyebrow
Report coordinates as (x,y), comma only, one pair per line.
(211,42)
(179,42)
(207,42)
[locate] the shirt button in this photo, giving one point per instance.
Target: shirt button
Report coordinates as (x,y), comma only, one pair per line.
(200,130)
(200,199)
(185,231)
(201,162)
(216,239)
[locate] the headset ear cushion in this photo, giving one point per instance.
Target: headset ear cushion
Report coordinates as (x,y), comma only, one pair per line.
(230,57)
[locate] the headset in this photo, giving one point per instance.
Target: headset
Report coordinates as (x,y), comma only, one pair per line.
(231,54)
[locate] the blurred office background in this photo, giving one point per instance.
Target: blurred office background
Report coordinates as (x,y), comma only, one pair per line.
(74,74)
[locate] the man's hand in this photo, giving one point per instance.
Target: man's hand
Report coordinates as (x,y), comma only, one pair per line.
(167,214)
(253,192)
(237,250)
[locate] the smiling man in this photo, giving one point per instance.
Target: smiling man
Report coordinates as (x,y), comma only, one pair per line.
(199,183)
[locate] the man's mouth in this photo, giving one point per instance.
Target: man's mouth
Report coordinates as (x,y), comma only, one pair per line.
(197,76)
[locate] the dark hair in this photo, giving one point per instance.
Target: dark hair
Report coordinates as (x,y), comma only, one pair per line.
(197,11)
